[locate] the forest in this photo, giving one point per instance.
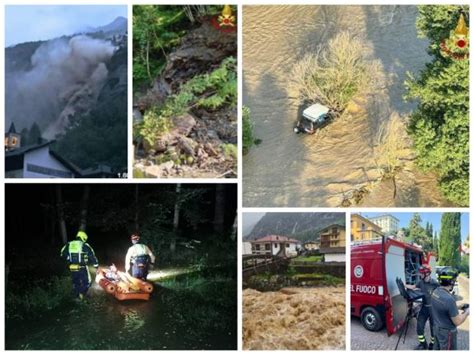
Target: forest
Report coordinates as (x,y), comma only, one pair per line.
(445,245)
(185,91)
(191,229)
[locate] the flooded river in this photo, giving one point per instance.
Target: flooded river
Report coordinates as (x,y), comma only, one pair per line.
(320,170)
(294,319)
(184,313)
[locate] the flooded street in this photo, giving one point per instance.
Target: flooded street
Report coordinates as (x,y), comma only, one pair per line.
(320,170)
(181,315)
(294,319)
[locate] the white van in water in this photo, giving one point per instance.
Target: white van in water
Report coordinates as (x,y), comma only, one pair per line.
(314,117)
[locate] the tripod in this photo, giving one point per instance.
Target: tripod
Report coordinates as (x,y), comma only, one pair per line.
(410,314)
(410,296)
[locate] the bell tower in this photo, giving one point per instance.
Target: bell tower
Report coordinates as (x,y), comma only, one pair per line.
(12,139)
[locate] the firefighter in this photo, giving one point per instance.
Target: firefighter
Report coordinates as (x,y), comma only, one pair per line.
(426,285)
(446,316)
(139,258)
(79,254)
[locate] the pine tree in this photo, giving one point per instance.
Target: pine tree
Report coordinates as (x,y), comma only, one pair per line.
(450,239)
(24,137)
(439,126)
(34,136)
(417,234)
(436,244)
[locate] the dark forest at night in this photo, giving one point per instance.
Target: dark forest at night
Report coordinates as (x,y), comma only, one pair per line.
(190,229)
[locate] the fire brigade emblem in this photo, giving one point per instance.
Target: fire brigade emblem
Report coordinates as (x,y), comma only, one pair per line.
(358,271)
(226,21)
(457,45)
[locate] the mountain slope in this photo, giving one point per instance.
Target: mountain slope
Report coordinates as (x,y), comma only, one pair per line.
(301,226)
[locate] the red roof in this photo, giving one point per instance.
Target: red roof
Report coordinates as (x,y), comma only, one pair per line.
(275,238)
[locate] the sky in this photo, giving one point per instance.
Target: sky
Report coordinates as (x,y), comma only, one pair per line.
(28,23)
(432,217)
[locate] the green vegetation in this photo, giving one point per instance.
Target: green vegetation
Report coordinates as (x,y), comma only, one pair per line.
(336,74)
(309,259)
(319,279)
(450,240)
(230,150)
(42,296)
(419,235)
(156,31)
(439,126)
(248,137)
(210,91)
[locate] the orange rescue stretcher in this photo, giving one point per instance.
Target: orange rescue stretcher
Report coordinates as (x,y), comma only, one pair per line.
(125,287)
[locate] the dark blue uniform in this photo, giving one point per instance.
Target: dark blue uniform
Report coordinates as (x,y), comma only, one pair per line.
(79,254)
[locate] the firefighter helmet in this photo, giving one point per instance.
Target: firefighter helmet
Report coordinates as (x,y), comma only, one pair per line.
(82,236)
(447,276)
(424,269)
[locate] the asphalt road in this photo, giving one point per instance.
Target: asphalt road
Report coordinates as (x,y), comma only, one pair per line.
(362,339)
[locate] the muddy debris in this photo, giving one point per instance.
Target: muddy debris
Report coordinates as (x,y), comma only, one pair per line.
(294,319)
(201,142)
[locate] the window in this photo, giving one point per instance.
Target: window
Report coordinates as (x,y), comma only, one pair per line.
(267,246)
(334,230)
(275,245)
(363,226)
(257,246)
(287,245)
(14,141)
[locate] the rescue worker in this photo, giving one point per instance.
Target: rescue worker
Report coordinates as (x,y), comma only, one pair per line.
(79,254)
(426,285)
(139,258)
(446,316)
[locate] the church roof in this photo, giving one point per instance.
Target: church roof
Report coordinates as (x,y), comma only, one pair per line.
(12,128)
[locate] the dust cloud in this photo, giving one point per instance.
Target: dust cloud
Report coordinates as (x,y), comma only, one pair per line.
(64,80)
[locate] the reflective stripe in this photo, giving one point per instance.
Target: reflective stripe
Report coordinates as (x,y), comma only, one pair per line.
(75,247)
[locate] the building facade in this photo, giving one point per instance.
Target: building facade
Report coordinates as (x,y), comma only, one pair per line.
(275,245)
(364,229)
(333,236)
(388,223)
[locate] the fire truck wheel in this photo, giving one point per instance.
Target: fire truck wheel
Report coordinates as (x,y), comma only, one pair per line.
(371,319)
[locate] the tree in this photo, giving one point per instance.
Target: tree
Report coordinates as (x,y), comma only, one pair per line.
(34,135)
(450,239)
(439,126)
(436,244)
(177,207)
(417,234)
(24,137)
(84,207)
(60,213)
(219,208)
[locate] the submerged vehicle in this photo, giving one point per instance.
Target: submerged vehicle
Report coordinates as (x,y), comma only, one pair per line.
(313,118)
(376,296)
(123,286)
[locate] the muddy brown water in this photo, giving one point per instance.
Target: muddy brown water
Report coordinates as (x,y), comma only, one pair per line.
(294,170)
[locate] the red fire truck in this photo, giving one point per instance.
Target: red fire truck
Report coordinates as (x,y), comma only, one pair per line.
(375,266)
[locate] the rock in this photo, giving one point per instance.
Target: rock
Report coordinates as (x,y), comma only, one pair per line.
(211,134)
(210,150)
(137,116)
(182,126)
(186,145)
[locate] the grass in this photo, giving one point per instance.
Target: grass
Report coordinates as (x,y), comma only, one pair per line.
(309,259)
(47,295)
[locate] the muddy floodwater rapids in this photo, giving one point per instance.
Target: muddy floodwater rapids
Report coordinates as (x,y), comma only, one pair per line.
(320,170)
(294,319)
